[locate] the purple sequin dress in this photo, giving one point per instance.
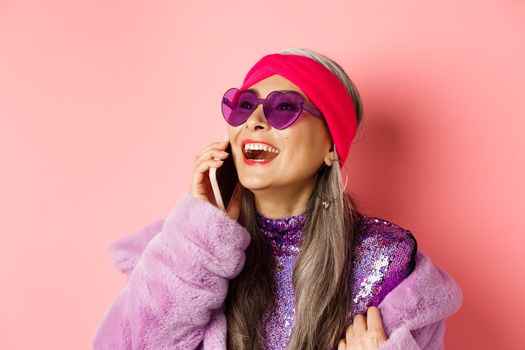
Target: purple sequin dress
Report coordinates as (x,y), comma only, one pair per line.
(383,255)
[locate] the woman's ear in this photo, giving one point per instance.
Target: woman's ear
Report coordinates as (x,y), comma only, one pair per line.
(329,156)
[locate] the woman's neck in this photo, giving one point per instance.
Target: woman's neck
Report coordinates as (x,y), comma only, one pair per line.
(280,202)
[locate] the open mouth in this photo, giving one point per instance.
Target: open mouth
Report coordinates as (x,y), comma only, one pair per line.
(259,152)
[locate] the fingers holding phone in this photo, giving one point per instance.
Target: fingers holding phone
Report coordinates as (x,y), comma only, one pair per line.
(210,157)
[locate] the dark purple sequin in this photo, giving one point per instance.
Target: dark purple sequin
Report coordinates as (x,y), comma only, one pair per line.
(383,255)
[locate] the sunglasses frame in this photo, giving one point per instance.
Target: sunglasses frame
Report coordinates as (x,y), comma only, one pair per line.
(302,106)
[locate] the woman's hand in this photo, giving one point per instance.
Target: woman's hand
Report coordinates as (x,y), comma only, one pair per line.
(365,333)
(212,157)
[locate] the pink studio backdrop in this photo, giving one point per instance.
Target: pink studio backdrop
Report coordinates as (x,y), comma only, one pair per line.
(104,104)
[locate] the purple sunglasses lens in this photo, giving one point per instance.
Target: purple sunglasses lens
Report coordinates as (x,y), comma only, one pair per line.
(232,112)
(280,109)
(283,108)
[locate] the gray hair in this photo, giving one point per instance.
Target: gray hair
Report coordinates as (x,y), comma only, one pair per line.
(323,266)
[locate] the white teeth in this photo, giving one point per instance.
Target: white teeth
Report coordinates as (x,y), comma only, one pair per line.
(260,146)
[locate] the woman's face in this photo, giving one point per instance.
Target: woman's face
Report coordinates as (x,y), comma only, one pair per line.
(302,147)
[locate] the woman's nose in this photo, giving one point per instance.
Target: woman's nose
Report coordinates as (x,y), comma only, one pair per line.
(257,119)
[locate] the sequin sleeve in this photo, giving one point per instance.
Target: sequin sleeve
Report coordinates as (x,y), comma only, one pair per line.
(383,255)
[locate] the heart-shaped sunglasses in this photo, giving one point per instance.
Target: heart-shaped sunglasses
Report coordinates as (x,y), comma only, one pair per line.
(281,108)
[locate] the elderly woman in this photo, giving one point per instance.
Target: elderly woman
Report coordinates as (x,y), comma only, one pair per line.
(292,263)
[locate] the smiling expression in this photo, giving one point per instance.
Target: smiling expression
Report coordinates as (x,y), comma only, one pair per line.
(269,158)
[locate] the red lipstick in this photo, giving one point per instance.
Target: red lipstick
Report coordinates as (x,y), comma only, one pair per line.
(255,162)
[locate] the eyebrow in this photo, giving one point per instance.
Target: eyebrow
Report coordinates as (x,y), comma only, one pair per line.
(257,94)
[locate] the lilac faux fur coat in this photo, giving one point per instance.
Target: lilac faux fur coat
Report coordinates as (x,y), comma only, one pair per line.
(178,270)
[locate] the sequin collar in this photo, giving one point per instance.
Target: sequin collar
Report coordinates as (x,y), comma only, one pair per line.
(283,234)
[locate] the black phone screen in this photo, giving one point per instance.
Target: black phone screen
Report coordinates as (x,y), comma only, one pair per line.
(227,177)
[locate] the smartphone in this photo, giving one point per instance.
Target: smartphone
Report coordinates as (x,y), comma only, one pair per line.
(224,181)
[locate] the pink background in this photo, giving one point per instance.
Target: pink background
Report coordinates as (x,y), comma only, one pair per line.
(104,104)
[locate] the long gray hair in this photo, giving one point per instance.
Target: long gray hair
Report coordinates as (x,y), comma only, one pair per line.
(322,270)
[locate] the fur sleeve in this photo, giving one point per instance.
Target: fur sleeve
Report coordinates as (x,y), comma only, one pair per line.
(414,313)
(177,283)
(126,251)
(430,337)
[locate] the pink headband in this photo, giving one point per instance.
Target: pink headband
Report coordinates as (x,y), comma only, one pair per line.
(321,86)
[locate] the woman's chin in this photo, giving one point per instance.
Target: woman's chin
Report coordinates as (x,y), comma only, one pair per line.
(255,183)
